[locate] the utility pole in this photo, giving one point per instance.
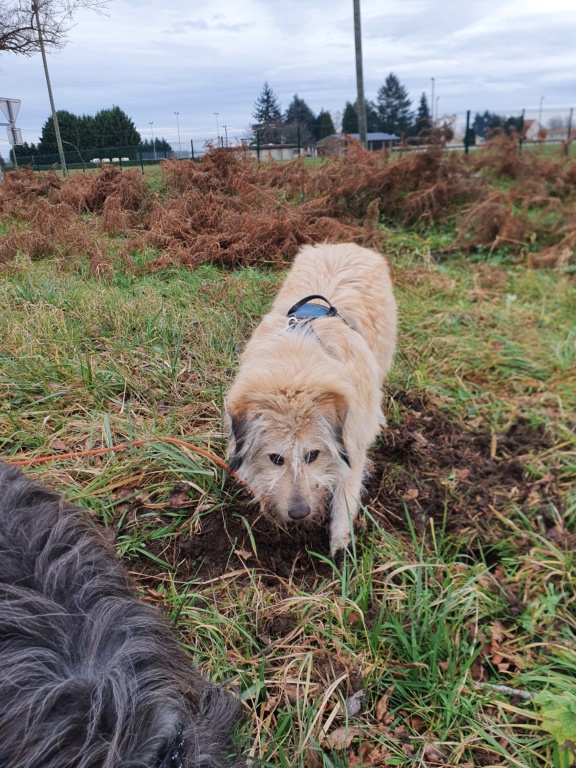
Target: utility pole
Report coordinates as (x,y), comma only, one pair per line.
(226,134)
(359,74)
(178,126)
(35,11)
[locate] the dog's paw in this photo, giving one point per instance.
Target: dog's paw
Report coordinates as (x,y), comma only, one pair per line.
(338,558)
(338,544)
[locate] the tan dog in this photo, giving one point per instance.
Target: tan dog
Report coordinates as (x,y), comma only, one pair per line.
(306,404)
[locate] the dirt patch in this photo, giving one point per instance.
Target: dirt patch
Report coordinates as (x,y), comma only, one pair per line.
(425,468)
(428,468)
(225,543)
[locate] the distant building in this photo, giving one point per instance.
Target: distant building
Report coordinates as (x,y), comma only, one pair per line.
(279,151)
(337,144)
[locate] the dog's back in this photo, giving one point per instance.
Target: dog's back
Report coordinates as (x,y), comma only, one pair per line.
(89,676)
(357,282)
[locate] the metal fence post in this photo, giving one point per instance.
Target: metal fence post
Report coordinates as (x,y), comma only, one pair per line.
(141,159)
(192,148)
(467,134)
(569,132)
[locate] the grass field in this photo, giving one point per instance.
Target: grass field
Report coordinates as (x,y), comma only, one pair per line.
(448,637)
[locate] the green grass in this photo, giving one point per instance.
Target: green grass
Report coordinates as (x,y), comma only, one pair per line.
(412,616)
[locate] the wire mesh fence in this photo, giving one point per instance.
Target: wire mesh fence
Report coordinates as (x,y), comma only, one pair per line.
(537,127)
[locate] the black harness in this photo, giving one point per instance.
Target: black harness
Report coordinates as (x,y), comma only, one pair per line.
(301,315)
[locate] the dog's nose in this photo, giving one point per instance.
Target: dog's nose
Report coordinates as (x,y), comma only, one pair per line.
(299,509)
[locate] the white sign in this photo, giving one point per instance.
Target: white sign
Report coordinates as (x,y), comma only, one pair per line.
(14,135)
(10,108)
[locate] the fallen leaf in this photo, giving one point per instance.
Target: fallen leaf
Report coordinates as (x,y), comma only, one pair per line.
(180,500)
(382,706)
(342,737)
(434,753)
(420,439)
(354,703)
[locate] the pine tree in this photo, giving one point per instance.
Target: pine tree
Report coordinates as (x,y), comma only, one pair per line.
(113,128)
(394,106)
(423,122)
(372,117)
(68,123)
(268,116)
(267,106)
(350,119)
(108,128)
(87,132)
(25,152)
(324,124)
(299,112)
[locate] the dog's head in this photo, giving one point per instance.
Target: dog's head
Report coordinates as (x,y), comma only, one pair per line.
(287,442)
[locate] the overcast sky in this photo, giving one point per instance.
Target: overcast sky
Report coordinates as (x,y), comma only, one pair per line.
(154,58)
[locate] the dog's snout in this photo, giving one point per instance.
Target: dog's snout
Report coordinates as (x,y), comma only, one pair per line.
(299,509)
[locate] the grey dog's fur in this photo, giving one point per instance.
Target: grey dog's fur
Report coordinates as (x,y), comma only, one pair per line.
(90,677)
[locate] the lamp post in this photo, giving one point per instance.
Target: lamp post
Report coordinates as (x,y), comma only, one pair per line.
(226,135)
(437,100)
(178,126)
(217,129)
(151,123)
(540,129)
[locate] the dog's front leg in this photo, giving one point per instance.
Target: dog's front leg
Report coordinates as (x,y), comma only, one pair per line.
(344,507)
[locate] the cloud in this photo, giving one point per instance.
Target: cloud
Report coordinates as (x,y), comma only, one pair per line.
(153,59)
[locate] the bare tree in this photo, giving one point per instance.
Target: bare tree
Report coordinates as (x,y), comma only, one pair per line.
(18,28)
(28,27)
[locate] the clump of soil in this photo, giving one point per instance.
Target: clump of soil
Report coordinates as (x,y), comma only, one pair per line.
(425,468)
(224,544)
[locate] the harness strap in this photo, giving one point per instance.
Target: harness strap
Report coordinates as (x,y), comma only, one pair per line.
(330,311)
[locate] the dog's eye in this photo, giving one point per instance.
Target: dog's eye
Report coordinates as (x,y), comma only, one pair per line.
(312,456)
(275,458)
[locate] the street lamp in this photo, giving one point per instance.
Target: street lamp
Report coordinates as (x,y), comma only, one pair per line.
(217,129)
(178,126)
(437,100)
(151,123)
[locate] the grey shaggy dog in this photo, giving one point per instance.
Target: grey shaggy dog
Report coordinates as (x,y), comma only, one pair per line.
(89,676)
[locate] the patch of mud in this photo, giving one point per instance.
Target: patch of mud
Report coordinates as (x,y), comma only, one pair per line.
(225,543)
(425,468)
(428,468)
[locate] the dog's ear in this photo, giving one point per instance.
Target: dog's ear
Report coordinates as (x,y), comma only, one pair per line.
(334,406)
(239,429)
(338,434)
